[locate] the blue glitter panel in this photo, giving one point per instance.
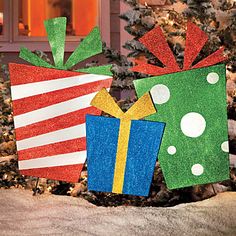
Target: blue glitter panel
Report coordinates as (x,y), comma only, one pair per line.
(144,144)
(102,136)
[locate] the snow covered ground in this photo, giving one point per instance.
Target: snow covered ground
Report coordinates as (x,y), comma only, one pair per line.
(23,214)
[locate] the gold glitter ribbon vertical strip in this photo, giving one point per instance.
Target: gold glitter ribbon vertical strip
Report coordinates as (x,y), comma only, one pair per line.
(121,155)
(143,107)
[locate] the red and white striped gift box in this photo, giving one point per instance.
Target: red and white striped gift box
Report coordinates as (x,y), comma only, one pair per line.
(49,108)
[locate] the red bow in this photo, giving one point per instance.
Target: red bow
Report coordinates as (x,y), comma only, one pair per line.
(156,43)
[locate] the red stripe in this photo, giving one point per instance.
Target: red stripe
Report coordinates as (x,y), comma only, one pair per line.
(57,123)
(46,99)
(70,173)
(23,74)
(74,145)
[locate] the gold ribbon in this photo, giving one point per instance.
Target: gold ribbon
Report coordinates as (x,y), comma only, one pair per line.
(142,108)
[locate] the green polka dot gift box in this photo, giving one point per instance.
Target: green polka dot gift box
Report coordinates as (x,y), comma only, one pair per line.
(192,103)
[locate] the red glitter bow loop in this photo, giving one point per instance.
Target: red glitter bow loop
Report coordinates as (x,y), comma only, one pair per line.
(156,43)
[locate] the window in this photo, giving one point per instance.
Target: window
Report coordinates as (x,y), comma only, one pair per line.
(26,17)
(1,17)
(82,16)
(3,20)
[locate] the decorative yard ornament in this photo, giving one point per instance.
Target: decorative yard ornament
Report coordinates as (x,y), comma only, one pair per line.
(50,104)
(192,103)
(122,151)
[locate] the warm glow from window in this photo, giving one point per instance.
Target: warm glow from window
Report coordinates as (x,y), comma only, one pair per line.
(1,16)
(82,15)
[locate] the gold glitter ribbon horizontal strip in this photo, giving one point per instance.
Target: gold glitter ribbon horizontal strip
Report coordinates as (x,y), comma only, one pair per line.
(142,108)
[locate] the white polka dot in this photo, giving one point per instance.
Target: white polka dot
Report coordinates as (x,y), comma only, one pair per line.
(171,150)
(197,169)
(160,94)
(193,124)
(212,78)
(225,146)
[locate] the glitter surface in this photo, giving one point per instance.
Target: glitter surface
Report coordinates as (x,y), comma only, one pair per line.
(155,42)
(196,125)
(129,148)
(195,113)
(49,118)
(56,29)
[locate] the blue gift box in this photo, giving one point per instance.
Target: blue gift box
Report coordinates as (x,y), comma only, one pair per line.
(143,146)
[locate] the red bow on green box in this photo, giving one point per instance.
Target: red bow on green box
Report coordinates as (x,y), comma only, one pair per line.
(192,103)
(156,43)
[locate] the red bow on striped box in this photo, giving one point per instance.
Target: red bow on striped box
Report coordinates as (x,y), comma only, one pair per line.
(50,104)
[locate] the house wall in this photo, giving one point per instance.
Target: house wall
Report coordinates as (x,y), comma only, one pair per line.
(115,24)
(124,36)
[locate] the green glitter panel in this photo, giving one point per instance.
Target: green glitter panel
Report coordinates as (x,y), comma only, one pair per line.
(98,70)
(192,103)
(56,30)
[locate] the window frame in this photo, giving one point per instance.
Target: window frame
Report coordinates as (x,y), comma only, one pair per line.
(6,18)
(10,41)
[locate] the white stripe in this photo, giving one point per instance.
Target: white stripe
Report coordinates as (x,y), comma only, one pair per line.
(53,110)
(31,89)
(51,161)
(73,132)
